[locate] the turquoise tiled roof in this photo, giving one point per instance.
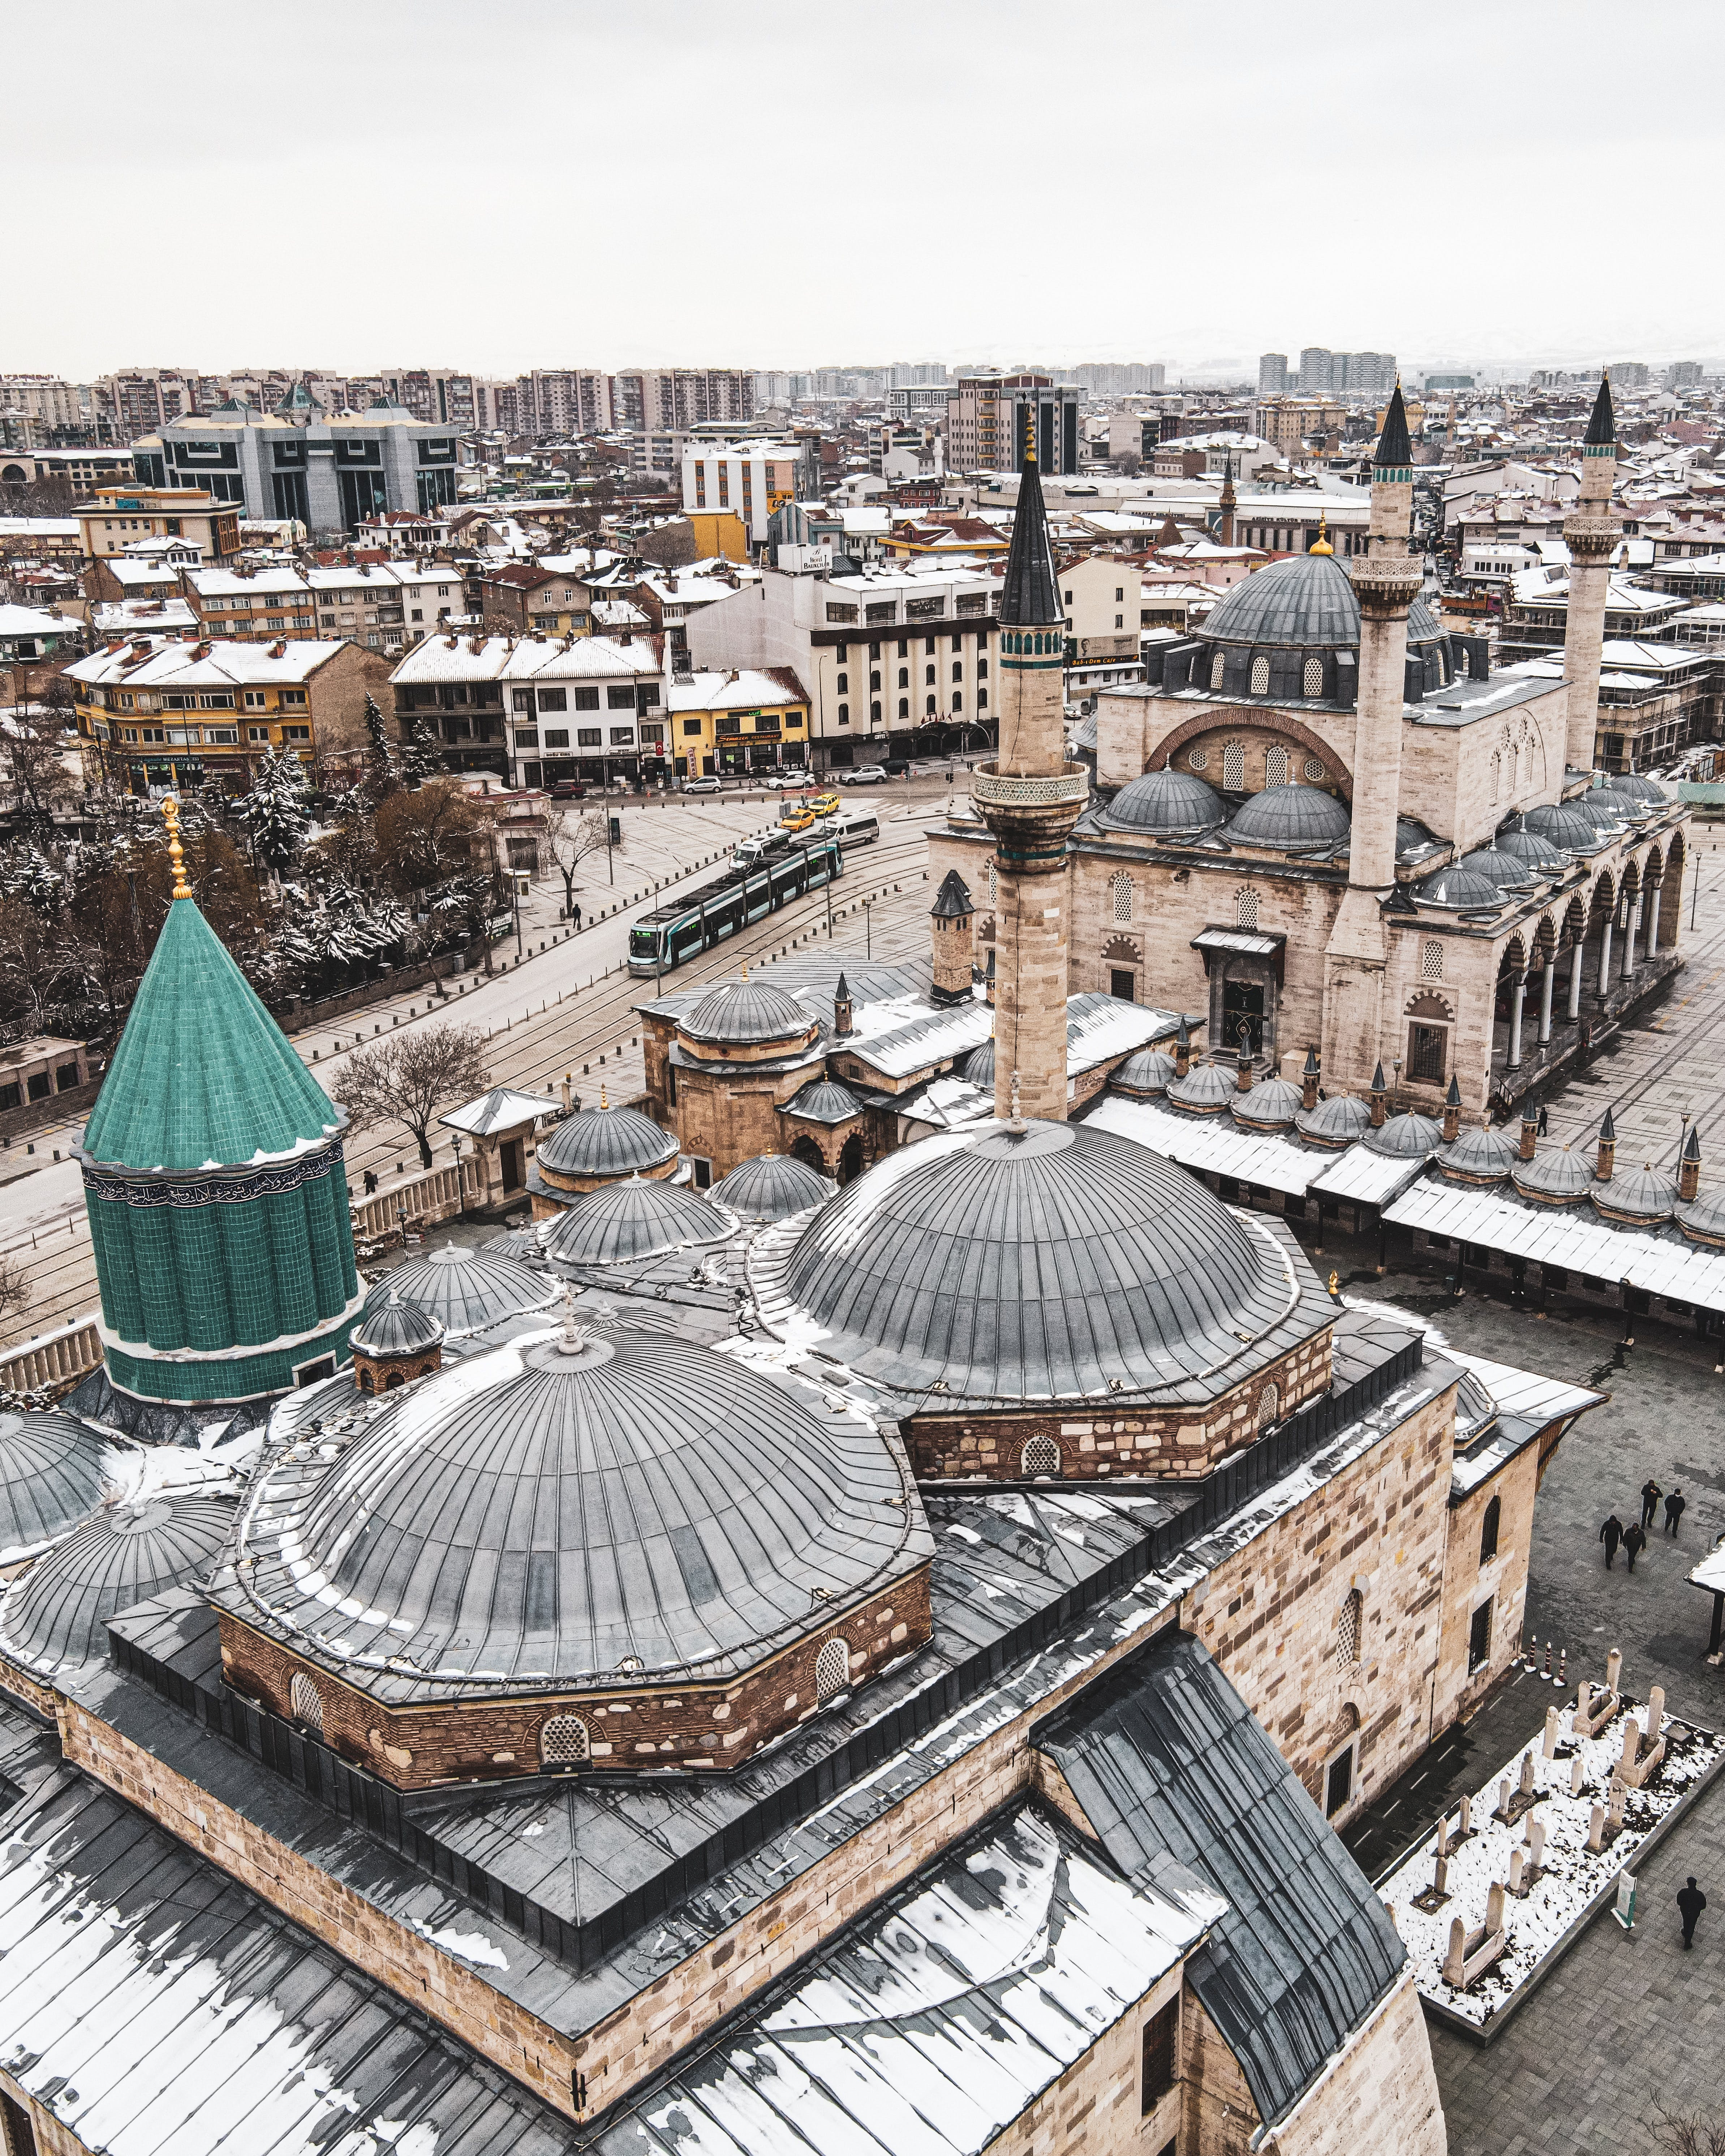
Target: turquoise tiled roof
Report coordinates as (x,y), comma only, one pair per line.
(202,1073)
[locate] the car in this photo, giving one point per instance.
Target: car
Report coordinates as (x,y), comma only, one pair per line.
(788,781)
(795,817)
(567,789)
(866,774)
(822,805)
(702,785)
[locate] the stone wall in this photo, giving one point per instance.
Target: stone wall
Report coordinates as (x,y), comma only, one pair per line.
(1096,2109)
(729,1115)
(1382,2094)
(1219,2116)
(1503,1579)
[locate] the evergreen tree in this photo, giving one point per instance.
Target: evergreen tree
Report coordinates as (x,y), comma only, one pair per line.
(277,812)
(421,756)
(383,767)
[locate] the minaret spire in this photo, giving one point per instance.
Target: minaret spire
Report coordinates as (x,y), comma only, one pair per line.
(1225,528)
(1590,531)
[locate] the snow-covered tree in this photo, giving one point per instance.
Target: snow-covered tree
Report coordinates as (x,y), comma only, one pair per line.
(277,812)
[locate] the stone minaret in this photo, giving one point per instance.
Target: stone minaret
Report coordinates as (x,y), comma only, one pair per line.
(1386,580)
(1224,529)
(1591,533)
(1030,797)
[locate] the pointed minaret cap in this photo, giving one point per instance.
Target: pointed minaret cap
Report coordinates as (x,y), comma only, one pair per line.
(1602,426)
(1608,1129)
(1452,1113)
(1395,452)
(1692,1144)
(1030,595)
(1380,1098)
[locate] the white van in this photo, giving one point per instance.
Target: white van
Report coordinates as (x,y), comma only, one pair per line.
(856,827)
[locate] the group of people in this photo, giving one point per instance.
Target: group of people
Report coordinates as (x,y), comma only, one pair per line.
(1633,1538)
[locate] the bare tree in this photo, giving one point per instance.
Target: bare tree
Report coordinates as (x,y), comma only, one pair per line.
(569,839)
(14,1291)
(429,834)
(1686,2134)
(407,1078)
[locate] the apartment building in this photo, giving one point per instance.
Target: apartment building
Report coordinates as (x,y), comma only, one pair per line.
(562,401)
(525,597)
(675,399)
(139,400)
(535,709)
(82,469)
(753,479)
(434,396)
(1288,421)
(1102,597)
(51,403)
(250,605)
(990,418)
(730,723)
(119,516)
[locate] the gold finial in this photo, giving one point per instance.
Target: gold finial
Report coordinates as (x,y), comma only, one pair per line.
(176,852)
(745,969)
(1322,544)
(1336,1286)
(603,1103)
(1030,434)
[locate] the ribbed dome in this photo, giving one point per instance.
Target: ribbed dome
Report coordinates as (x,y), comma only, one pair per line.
(1459,890)
(1001,1266)
(1504,871)
(1271,1107)
(1639,788)
(1306,602)
(394,1327)
(1532,848)
(746,1015)
(1338,1121)
(978,1066)
(1636,1194)
(772,1187)
(522,1244)
(1291,818)
(823,1101)
(1165,804)
(1149,1072)
(1597,807)
(1406,1137)
(624,1221)
(1555,1176)
(1617,801)
(1206,1090)
(1559,821)
(1481,1156)
(466,1291)
(606,1142)
(554,1511)
(1704,1221)
(57,1612)
(53,1468)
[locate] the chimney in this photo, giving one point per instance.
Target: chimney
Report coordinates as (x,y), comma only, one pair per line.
(568,1090)
(1182,1051)
(1452,1113)
(1380,1098)
(1530,1129)
(1308,1081)
(1243,1083)
(1608,1148)
(1689,1171)
(841,1011)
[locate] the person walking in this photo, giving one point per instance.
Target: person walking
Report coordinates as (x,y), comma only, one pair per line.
(1674,1508)
(1544,1129)
(576,916)
(1650,1495)
(1633,1542)
(1611,1534)
(1690,1901)
(371,1181)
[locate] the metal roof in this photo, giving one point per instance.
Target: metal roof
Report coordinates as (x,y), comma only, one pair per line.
(1291,817)
(1030,591)
(1215,1144)
(55,1613)
(772,1185)
(466,1291)
(822,1100)
(53,1472)
(395,1328)
(1166,803)
(1238,939)
(622,1221)
(502,1109)
(1190,1796)
(746,1015)
(606,1142)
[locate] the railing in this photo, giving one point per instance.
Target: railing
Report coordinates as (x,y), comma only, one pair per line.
(425,1200)
(988,784)
(50,1360)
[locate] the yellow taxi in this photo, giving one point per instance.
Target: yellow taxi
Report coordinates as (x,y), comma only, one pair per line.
(822,805)
(794,817)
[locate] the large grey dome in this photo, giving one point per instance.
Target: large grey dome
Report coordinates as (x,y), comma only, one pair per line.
(1636,1194)
(978,1066)
(996,1266)
(1291,818)
(1206,1090)
(772,1185)
(466,1291)
(1555,1176)
(1336,1122)
(1165,804)
(1598,808)
(606,1142)
(57,1612)
(626,1221)
(1539,852)
(746,1015)
(1507,871)
(576,1510)
(53,1469)
(1459,890)
(1638,787)
(1619,802)
(1304,601)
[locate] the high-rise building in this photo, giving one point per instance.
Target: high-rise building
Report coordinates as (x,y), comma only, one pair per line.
(1358,375)
(139,400)
(674,399)
(1272,373)
(566,401)
(1682,374)
(433,395)
(1124,378)
(993,419)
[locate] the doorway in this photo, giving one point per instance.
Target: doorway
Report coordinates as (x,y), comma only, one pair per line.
(513,1152)
(1243,1011)
(850,1159)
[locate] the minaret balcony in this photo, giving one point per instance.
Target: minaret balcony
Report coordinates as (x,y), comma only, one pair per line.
(990,787)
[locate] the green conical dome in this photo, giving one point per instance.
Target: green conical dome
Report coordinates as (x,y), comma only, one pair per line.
(204,1077)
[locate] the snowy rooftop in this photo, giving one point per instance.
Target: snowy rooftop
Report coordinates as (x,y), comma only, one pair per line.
(526,659)
(1218,1146)
(222,663)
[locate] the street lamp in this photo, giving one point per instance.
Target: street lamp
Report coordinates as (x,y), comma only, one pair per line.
(460,1194)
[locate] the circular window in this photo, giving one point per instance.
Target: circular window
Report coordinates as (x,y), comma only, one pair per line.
(1198,759)
(1313,769)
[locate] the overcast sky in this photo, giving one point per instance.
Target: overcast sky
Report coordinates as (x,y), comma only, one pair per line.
(518,183)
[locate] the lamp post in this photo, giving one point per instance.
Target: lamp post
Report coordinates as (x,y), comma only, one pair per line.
(460,1194)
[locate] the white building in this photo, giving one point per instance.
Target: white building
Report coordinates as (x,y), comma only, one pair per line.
(585,708)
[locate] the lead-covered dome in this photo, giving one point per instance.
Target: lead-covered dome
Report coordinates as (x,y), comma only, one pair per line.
(607,1142)
(466,1291)
(992,1266)
(772,1185)
(1554,1176)
(1149,1073)
(1640,1195)
(624,1222)
(56,1613)
(575,1509)
(1562,823)
(1165,804)
(391,1327)
(1292,818)
(746,1015)
(1481,1156)
(1304,601)
(1406,1137)
(53,1471)
(1271,1106)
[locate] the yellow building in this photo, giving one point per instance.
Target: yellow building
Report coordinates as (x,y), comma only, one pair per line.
(719,533)
(725,725)
(119,515)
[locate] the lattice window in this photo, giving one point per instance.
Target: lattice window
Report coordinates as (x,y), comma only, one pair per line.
(1431,960)
(993,885)
(1216,667)
(1496,775)
(307,1702)
(1348,1629)
(1311,680)
(563,1741)
(1269,1409)
(1234,766)
(1120,885)
(1276,766)
(1245,907)
(1314,769)
(1259,684)
(1041,1456)
(1198,759)
(832,1670)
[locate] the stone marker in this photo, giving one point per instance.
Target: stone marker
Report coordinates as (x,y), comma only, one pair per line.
(1551,1733)
(1494,1907)
(1656,1715)
(1614,1668)
(1619,1791)
(1536,1842)
(1584,1705)
(1466,1817)
(1457,1954)
(1596,1829)
(1443,1838)
(1576,1774)
(1527,1773)
(1517,1866)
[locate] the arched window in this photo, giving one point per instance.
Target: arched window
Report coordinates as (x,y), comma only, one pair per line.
(1496,774)
(1431,960)
(844,715)
(1269,1406)
(1260,677)
(1245,907)
(307,1702)
(981,699)
(930,712)
(875,713)
(928,677)
(364,1377)
(1488,1530)
(844,685)
(1216,667)
(1234,766)
(394,1381)
(1120,885)
(903,677)
(1311,680)
(1276,766)
(1040,1456)
(957,670)
(563,1741)
(958,700)
(1348,1629)
(874,679)
(832,1670)
(904,707)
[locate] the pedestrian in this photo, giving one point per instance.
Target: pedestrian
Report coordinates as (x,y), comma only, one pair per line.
(577,914)
(1544,1130)
(1690,1901)
(1633,1542)
(1611,1534)
(1674,1506)
(1650,1495)
(371,1181)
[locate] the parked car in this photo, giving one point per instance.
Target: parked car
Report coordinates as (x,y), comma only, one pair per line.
(788,781)
(702,785)
(866,774)
(822,805)
(567,789)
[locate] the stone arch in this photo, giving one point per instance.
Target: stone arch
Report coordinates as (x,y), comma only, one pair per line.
(1276,765)
(1574,923)
(850,1159)
(1428,1005)
(1545,941)
(804,1148)
(1490,1524)
(1268,1407)
(394,1381)
(832,1671)
(1601,902)
(1514,960)
(362,1377)
(1123,951)
(1316,746)
(563,1741)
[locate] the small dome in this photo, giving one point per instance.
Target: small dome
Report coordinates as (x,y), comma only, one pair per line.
(1639,788)
(625,1221)
(1704,1221)
(1554,1176)
(57,1612)
(1413,841)
(1271,1107)
(1406,1138)
(1532,848)
(1340,1121)
(978,1066)
(1598,808)
(823,1101)
(1293,818)
(1617,801)
(1559,822)
(1635,1195)
(522,1244)
(1206,1090)
(466,1291)
(1459,890)
(1165,804)
(772,1185)
(1306,602)
(606,1142)
(1504,871)
(53,1469)
(394,1327)
(1482,1156)
(746,1015)
(1149,1072)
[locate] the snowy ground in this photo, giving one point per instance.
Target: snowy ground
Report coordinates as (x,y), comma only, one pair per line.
(1571,1876)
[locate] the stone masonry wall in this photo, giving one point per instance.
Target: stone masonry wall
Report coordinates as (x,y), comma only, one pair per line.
(1094,2109)
(1219,2115)
(1381,2094)
(1503,1579)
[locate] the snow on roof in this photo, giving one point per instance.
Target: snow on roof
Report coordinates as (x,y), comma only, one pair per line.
(506,658)
(209,582)
(191,665)
(35,621)
(504,1108)
(1218,1146)
(125,571)
(128,616)
(1100,1027)
(904,1033)
(718,692)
